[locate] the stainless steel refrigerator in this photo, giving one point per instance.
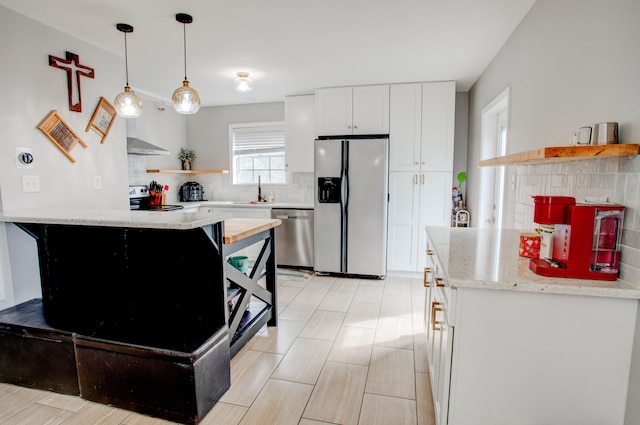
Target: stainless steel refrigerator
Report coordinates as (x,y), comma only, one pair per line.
(351,205)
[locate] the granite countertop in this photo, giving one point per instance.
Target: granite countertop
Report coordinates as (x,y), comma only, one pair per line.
(114,218)
(488,259)
(247,204)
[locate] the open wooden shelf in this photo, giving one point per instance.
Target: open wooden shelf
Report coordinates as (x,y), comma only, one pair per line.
(189,171)
(561,154)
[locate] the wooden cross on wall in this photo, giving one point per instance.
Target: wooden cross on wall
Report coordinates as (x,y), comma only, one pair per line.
(71,64)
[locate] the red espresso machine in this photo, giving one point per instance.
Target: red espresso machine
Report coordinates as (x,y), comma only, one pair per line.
(586,238)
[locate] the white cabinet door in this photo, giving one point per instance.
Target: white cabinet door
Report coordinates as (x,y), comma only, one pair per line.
(334,111)
(402,239)
(435,206)
(405,115)
(438,125)
(299,117)
(352,110)
(371,109)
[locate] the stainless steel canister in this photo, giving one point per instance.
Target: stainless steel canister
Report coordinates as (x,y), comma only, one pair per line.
(605,133)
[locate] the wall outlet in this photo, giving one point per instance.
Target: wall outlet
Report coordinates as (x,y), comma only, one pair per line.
(30,184)
(97,182)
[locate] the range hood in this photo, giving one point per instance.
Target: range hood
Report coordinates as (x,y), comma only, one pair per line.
(137,146)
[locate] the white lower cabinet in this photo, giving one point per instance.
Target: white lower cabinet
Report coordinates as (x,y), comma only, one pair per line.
(501,357)
(416,200)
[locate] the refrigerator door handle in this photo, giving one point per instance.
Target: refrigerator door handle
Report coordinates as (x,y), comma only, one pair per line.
(344,205)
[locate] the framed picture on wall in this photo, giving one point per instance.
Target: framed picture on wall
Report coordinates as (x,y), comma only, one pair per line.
(102,119)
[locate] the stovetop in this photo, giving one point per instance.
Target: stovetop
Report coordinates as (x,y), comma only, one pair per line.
(140,200)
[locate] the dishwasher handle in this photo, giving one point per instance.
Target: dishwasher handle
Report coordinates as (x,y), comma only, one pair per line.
(292,217)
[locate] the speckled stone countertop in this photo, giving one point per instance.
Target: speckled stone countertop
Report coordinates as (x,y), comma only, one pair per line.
(114,218)
(241,204)
(488,259)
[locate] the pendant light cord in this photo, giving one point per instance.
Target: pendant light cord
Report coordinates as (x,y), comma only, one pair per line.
(184,29)
(126,58)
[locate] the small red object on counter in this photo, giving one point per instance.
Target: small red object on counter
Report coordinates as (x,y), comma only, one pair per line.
(529,245)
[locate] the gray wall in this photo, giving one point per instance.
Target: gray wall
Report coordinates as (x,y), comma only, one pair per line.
(30,90)
(569,64)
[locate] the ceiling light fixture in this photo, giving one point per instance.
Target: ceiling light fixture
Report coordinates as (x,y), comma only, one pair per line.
(243,83)
(185,99)
(127,103)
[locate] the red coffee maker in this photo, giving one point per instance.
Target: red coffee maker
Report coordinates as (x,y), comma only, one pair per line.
(586,238)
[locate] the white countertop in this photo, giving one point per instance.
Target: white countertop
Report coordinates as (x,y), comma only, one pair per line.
(240,204)
(114,218)
(488,259)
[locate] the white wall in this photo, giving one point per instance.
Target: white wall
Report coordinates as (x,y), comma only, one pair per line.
(208,135)
(30,90)
(569,64)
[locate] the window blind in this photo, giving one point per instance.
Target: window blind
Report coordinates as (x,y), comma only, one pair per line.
(258,139)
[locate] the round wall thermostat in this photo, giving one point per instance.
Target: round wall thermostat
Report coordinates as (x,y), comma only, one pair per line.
(25,158)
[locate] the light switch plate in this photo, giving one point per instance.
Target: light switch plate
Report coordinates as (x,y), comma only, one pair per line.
(97,182)
(30,184)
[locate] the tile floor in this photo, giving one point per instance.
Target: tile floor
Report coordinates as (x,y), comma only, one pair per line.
(345,351)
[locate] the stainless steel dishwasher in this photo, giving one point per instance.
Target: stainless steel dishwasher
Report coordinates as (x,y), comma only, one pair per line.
(294,238)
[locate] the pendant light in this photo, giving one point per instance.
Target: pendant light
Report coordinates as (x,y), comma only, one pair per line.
(185,99)
(243,83)
(127,103)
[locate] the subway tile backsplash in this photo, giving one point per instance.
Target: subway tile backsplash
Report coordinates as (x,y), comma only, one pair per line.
(616,179)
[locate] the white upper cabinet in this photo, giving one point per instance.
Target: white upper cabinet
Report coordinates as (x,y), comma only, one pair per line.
(352,110)
(438,124)
(422,120)
(299,117)
(405,127)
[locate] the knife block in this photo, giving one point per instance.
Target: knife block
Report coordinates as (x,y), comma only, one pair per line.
(156,198)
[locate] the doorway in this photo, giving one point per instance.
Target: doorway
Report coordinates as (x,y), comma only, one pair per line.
(495,131)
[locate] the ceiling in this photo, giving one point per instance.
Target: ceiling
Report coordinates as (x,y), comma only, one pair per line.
(288,46)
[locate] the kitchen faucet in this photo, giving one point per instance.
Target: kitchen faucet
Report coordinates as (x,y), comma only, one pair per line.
(259,190)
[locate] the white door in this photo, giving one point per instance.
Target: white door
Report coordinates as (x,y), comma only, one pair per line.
(495,118)
(405,127)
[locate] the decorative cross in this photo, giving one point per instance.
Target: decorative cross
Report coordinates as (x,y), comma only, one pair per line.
(72,63)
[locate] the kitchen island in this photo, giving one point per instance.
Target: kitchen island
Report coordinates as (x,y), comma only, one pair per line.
(142,299)
(507,346)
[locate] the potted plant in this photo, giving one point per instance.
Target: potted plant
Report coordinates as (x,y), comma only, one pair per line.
(186,156)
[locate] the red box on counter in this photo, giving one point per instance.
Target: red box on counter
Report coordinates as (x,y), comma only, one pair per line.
(529,245)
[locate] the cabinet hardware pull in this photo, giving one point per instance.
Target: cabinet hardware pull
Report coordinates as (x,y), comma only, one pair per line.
(429,252)
(435,309)
(415,179)
(355,126)
(426,270)
(348,126)
(422,179)
(439,281)
(417,163)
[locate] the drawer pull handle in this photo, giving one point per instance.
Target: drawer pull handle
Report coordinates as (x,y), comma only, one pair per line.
(439,282)
(425,281)
(434,310)
(429,252)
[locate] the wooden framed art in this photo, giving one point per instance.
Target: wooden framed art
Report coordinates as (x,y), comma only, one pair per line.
(60,134)
(102,119)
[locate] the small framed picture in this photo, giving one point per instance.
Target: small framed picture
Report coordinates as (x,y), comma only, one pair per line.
(60,134)
(102,118)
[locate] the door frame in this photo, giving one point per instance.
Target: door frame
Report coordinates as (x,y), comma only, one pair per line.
(492,179)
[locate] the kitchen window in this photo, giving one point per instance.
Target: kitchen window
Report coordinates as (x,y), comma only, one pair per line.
(257,149)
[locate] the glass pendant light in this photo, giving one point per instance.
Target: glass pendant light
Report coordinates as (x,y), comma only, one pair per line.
(127,103)
(185,99)
(243,83)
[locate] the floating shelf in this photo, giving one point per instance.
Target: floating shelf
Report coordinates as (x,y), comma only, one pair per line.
(562,154)
(189,171)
